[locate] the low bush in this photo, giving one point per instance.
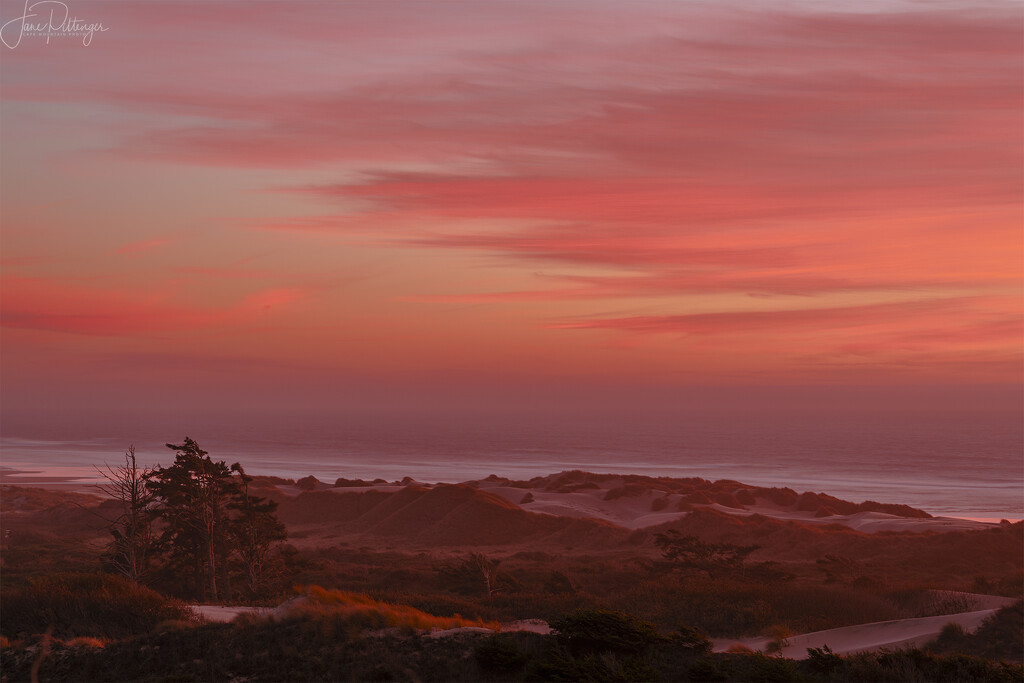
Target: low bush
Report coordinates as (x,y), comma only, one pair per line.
(1001,636)
(89,605)
(599,630)
(499,654)
(302,650)
(691,639)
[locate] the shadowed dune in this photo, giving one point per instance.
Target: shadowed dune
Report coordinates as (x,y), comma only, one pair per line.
(444,515)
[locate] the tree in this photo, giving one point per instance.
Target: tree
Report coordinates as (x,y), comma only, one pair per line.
(689,552)
(475,572)
(192,500)
(129,551)
(254,530)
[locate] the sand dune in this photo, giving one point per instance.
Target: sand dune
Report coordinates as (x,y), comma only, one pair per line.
(631,502)
(628,501)
(443,515)
(640,502)
(565,511)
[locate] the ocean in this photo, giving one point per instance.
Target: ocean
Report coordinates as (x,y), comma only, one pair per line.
(954,465)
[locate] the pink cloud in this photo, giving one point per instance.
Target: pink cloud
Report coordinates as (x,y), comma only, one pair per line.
(745,322)
(44,304)
(700,149)
(938,311)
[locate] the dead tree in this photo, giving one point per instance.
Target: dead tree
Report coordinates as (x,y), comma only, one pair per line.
(129,551)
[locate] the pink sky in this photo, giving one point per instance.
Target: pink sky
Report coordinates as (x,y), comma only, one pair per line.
(292,201)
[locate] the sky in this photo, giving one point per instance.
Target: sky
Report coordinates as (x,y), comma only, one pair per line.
(292,204)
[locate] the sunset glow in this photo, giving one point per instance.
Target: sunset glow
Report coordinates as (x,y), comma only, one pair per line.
(298,201)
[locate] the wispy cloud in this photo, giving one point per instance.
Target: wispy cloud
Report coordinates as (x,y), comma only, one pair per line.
(51,305)
(663,151)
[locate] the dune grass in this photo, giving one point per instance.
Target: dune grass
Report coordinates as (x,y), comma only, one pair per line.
(361,612)
(99,606)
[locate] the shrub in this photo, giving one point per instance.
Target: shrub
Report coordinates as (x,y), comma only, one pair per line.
(601,630)
(779,635)
(97,605)
(499,654)
(307,483)
(764,668)
(823,660)
(999,637)
(559,666)
(691,639)
(706,670)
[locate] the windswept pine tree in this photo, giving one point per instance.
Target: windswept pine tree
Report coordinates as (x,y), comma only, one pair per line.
(192,496)
(209,519)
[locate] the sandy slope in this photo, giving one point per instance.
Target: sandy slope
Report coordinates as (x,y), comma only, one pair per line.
(634,502)
(651,507)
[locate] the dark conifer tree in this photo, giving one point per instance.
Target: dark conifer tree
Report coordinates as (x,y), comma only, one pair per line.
(254,530)
(193,497)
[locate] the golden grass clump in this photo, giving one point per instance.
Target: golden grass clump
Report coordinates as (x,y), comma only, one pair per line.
(85,642)
(365,612)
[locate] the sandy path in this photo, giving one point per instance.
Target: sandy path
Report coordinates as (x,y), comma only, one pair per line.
(866,637)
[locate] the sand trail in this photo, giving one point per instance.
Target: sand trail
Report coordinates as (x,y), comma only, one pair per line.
(866,637)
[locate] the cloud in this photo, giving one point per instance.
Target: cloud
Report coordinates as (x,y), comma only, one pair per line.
(52,305)
(743,322)
(690,149)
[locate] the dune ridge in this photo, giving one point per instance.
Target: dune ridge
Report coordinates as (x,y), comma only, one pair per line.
(632,502)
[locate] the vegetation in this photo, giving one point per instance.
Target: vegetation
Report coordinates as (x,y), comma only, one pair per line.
(211,528)
(691,553)
(597,631)
(133,543)
(361,612)
(197,530)
(1001,636)
(86,605)
(314,645)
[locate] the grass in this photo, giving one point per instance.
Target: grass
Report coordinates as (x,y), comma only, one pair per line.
(361,612)
(86,605)
(307,648)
